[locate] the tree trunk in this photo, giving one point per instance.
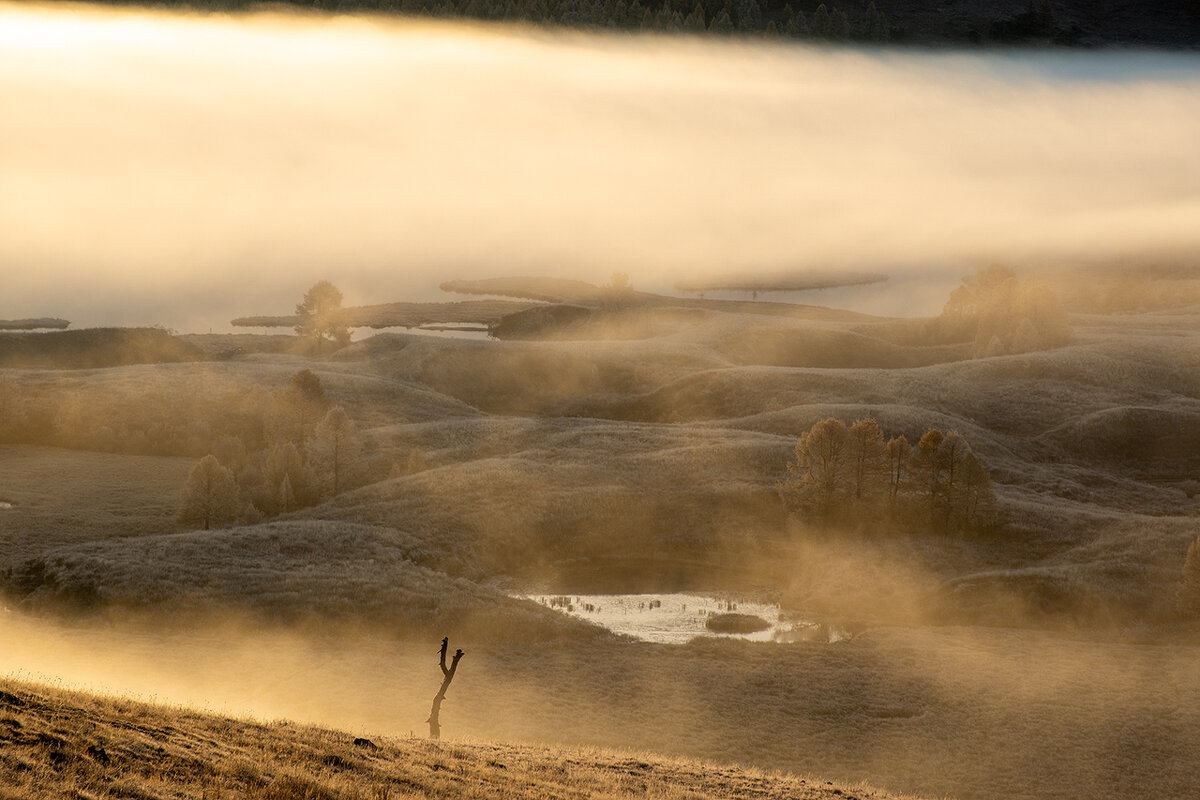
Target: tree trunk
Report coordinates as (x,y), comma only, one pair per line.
(435,728)
(336,447)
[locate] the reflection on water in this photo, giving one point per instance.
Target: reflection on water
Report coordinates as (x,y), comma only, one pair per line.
(679,618)
(908,292)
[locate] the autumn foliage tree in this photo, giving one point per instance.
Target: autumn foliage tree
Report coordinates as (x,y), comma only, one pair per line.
(899,459)
(210,497)
(336,447)
(299,407)
(821,467)
(866,456)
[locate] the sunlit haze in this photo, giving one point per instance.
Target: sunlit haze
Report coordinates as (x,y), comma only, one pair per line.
(785,410)
(183,170)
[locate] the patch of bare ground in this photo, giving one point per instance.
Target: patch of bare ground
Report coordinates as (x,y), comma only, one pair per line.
(65,744)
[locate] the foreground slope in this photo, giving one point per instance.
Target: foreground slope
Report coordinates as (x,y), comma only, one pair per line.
(61,744)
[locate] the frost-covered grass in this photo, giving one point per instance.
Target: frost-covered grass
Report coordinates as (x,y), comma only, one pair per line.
(295,571)
(61,497)
(657,459)
(683,459)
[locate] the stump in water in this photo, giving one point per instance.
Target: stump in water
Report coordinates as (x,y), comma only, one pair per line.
(435,728)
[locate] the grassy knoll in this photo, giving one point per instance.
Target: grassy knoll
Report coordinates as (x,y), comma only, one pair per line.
(91,348)
(59,744)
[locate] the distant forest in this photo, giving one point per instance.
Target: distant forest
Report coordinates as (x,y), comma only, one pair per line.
(1168,23)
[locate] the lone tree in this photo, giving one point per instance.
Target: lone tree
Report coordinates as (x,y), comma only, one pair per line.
(320,314)
(210,496)
(617,292)
(435,727)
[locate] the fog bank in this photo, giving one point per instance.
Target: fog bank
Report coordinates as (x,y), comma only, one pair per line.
(188,169)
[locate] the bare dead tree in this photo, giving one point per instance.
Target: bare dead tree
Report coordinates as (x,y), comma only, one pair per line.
(435,728)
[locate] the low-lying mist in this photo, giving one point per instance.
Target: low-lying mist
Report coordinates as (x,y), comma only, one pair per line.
(941,712)
(187,169)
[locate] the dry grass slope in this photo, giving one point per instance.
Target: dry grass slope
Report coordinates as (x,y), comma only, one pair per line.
(60,744)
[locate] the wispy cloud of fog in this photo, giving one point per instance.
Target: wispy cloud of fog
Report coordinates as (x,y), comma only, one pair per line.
(190,169)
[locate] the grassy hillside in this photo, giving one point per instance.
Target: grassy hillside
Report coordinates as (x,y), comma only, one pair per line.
(65,744)
(59,497)
(286,572)
(556,460)
(91,348)
(642,449)
(961,712)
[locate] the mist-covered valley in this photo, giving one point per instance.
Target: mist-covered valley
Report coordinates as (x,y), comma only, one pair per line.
(325,337)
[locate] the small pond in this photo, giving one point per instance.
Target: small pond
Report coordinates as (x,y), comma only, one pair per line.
(679,618)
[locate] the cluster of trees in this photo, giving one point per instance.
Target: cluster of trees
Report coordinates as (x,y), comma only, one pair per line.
(314,452)
(701,16)
(853,474)
(1002,314)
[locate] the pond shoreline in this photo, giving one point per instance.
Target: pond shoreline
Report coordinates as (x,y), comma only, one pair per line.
(679,618)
